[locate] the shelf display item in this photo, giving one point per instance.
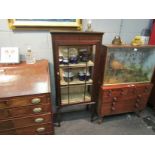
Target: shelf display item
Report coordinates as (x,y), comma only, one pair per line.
(84,76)
(117,40)
(61,59)
(84,55)
(74,59)
(30,59)
(65,61)
(77,79)
(137,41)
(68,76)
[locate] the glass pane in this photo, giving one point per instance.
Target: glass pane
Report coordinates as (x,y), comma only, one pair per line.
(125,65)
(64,95)
(76,66)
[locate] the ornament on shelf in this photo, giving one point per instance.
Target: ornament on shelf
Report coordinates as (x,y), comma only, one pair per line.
(137,41)
(117,40)
(89,26)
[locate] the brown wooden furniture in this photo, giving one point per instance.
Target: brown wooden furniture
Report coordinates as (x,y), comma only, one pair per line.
(125,88)
(82,45)
(25,101)
(152,96)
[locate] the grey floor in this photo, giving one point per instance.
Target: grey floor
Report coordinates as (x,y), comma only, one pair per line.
(78,123)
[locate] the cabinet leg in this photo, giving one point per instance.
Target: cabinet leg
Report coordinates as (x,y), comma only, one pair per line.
(59,117)
(92,112)
(100,120)
(87,107)
(137,113)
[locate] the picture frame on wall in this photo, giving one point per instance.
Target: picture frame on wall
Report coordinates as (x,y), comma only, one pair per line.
(9,55)
(50,24)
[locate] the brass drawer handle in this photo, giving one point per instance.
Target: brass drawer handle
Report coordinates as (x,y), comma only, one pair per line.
(41,129)
(36,100)
(39,120)
(37,110)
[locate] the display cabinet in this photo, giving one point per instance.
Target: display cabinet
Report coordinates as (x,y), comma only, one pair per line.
(76,60)
(127,78)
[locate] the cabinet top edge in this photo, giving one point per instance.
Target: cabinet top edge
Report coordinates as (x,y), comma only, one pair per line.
(76,32)
(128,46)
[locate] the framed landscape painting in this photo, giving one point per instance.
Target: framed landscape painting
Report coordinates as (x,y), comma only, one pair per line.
(45,23)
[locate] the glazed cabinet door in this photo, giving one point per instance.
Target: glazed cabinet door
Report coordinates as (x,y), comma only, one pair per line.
(76,73)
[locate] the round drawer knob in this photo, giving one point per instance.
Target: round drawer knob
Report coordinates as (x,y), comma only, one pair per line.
(137,105)
(115,99)
(113,108)
(122,92)
(41,129)
(37,110)
(138,100)
(139,96)
(113,103)
(110,92)
(36,100)
(39,120)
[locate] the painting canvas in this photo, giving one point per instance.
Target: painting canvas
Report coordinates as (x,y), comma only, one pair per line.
(45,23)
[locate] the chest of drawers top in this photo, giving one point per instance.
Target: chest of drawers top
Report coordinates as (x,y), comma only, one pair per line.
(24,79)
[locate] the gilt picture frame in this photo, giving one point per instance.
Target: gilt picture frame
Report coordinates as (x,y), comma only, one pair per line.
(53,24)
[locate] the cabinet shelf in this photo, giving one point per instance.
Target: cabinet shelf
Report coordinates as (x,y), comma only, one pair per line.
(79,65)
(76,82)
(74,98)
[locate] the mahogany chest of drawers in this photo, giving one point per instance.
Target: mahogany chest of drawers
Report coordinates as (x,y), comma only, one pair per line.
(123,98)
(25,101)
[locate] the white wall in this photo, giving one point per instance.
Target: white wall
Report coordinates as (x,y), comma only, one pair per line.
(40,41)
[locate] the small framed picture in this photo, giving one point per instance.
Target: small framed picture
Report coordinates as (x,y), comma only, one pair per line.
(9,55)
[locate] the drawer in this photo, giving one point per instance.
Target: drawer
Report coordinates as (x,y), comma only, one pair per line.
(23,101)
(29,110)
(131,105)
(32,120)
(25,121)
(8,124)
(4,114)
(8,132)
(119,108)
(119,92)
(117,98)
(41,129)
(140,89)
(130,100)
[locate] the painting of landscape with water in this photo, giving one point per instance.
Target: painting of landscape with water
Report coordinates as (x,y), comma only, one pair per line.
(129,65)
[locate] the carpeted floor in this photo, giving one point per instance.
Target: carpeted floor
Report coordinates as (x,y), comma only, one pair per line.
(78,123)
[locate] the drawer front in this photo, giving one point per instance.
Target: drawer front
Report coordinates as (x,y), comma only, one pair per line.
(8,132)
(25,121)
(29,110)
(32,120)
(113,102)
(41,129)
(117,98)
(4,125)
(4,113)
(111,108)
(119,92)
(119,108)
(141,89)
(23,101)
